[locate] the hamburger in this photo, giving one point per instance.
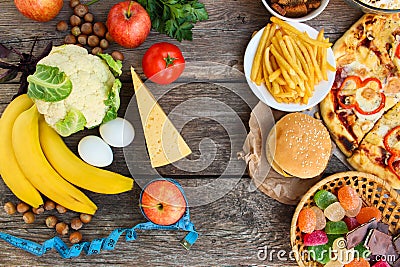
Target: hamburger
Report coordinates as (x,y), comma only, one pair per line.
(298,145)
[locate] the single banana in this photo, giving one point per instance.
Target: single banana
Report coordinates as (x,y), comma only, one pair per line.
(10,171)
(31,159)
(76,171)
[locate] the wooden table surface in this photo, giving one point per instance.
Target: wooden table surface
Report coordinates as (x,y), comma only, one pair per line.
(234,229)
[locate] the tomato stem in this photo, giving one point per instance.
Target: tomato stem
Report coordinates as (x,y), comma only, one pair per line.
(169,60)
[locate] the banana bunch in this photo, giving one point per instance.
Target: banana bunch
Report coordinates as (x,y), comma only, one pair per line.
(34,158)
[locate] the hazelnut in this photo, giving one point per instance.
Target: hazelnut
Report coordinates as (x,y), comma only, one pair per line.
(109,37)
(38,211)
(62,26)
(74,3)
(88,17)
(86,218)
(104,44)
(62,228)
(49,205)
(76,223)
(75,237)
(76,31)
(97,50)
(81,10)
(93,41)
(99,29)
(10,208)
(28,217)
(51,221)
(22,207)
(87,28)
(117,55)
(61,209)
(82,39)
(74,20)
(70,39)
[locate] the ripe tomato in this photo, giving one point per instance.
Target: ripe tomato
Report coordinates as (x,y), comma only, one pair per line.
(163,63)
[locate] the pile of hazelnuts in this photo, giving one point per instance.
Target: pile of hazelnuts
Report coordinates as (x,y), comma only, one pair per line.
(30,214)
(86,32)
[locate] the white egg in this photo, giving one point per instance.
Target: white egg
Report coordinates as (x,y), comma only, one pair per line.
(118,132)
(93,150)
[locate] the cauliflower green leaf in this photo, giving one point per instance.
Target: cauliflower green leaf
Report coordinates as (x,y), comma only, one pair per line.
(73,122)
(115,65)
(49,84)
(113,102)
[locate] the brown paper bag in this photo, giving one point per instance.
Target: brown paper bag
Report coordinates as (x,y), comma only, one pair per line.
(285,190)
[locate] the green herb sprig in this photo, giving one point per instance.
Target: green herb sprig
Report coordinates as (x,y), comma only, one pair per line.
(175,17)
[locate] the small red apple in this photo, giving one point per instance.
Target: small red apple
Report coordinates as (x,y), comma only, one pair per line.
(128,23)
(39,10)
(162,202)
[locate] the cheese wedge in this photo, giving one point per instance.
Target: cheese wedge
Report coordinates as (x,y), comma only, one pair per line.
(164,143)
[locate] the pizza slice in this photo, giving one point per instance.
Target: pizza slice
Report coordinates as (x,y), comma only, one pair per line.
(353,107)
(367,79)
(379,152)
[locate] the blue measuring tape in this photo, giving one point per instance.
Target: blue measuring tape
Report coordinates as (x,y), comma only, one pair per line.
(108,243)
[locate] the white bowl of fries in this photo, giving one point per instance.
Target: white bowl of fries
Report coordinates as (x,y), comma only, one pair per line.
(298,10)
(289,65)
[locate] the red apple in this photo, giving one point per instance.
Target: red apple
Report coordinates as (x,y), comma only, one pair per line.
(162,202)
(39,10)
(129,24)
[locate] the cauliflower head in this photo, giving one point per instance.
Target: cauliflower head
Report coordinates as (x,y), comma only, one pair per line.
(74,89)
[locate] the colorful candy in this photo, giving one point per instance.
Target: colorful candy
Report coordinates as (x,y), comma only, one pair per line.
(315,238)
(325,225)
(351,223)
(353,213)
(321,220)
(361,262)
(381,264)
(339,227)
(324,198)
(320,253)
(367,213)
(341,253)
(333,263)
(348,197)
(307,220)
(334,212)
(362,251)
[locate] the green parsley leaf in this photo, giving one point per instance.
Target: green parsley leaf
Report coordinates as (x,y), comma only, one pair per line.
(175,17)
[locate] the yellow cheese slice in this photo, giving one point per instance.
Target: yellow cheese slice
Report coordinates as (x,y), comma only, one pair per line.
(164,143)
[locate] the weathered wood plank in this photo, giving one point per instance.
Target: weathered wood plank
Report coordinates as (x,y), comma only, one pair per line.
(232,229)
(227,31)
(227,127)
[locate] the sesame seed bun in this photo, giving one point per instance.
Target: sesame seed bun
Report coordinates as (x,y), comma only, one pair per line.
(269,154)
(300,145)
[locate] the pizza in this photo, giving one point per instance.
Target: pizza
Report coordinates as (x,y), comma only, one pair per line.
(362,110)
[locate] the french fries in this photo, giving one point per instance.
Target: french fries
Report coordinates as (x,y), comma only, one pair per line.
(289,62)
